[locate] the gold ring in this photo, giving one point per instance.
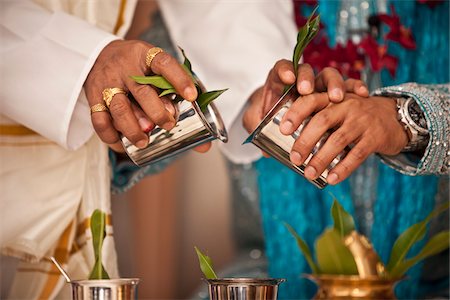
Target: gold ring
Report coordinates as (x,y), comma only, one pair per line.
(98,108)
(109,93)
(151,55)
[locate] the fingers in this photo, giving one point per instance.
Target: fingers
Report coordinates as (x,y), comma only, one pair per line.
(313,132)
(117,147)
(281,75)
(354,159)
(151,104)
(253,115)
(125,121)
(335,144)
(356,86)
(305,79)
(203,148)
(144,122)
(330,80)
(167,66)
(104,128)
(302,108)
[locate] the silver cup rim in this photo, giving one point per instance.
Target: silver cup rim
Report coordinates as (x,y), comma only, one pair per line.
(221,133)
(109,282)
(246,281)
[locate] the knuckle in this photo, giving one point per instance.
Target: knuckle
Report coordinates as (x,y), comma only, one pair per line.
(159,116)
(134,136)
(323,117)
(300,145)
(163,60)
(119,107)
(319,162)
(101,125)
(359,153)
(340,139)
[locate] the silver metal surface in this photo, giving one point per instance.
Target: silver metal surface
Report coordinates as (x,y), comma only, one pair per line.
(193,128)
(243,288)
(267,137)
(108,289)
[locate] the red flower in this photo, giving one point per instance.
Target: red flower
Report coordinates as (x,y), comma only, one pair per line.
(378,56)
(431,3)
(398,33)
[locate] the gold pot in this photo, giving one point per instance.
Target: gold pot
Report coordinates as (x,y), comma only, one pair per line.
(352,287)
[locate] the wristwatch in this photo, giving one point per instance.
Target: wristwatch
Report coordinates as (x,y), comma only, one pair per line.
(413,120)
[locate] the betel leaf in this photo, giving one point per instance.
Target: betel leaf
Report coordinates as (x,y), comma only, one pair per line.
(98,230)
(343,221)
(333,257)
(206,265)
(167,92)
(155,80)
(435,245)
(305,34)
(206,98)
(304,249)
(186,62)
(409,237)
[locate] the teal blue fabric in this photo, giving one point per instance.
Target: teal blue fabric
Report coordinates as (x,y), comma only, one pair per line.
(400,200)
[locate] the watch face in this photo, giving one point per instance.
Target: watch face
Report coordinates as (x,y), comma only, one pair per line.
(417,115)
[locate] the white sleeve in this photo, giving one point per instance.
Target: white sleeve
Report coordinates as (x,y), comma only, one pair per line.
(232,44)
(45,59)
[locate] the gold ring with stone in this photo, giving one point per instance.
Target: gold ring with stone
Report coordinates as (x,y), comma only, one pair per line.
(98,108)
(151,55)
(109,93)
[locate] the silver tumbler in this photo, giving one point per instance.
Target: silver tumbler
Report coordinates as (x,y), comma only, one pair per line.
(108,289)
(243,288)
(194,127)
(267,137)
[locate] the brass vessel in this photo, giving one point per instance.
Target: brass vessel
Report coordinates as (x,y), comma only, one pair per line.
(352,287)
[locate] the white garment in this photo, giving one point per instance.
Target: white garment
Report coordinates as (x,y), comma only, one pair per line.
(53,180)
(46,54)
(231,46)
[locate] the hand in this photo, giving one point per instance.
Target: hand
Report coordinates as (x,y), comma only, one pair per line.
(282,74)
(116,63)
(369,124)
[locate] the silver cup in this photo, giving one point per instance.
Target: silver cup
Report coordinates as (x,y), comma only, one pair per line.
(243,288)
(267,137)
(109,289)
(194,127)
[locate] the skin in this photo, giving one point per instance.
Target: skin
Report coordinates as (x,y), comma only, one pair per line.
(368,124)
(116,63)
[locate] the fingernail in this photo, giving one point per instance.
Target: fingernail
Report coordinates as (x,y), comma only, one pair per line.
(332,178)
(168,125)
(363,89)
(310,172)
(337,94)
(290,75)
(296,158)
(190,93)
(305,87)
(145,124)
(142,144)
(286,127)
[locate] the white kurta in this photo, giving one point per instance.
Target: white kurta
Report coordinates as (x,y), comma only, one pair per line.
(54,171)
(231,46)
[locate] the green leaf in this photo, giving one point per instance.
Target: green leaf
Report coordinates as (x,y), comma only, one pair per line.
(304,249)
(343,221)
(98,230)
(167,92)
(205,265)
(435,245)
(186,62)
(155,80)
(305,34)
(409,237)
(333,257)
(206,98)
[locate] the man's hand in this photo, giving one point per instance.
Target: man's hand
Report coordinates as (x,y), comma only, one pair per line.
(370,125)
(116,63)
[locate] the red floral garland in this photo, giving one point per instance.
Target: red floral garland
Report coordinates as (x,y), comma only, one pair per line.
(350,59)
